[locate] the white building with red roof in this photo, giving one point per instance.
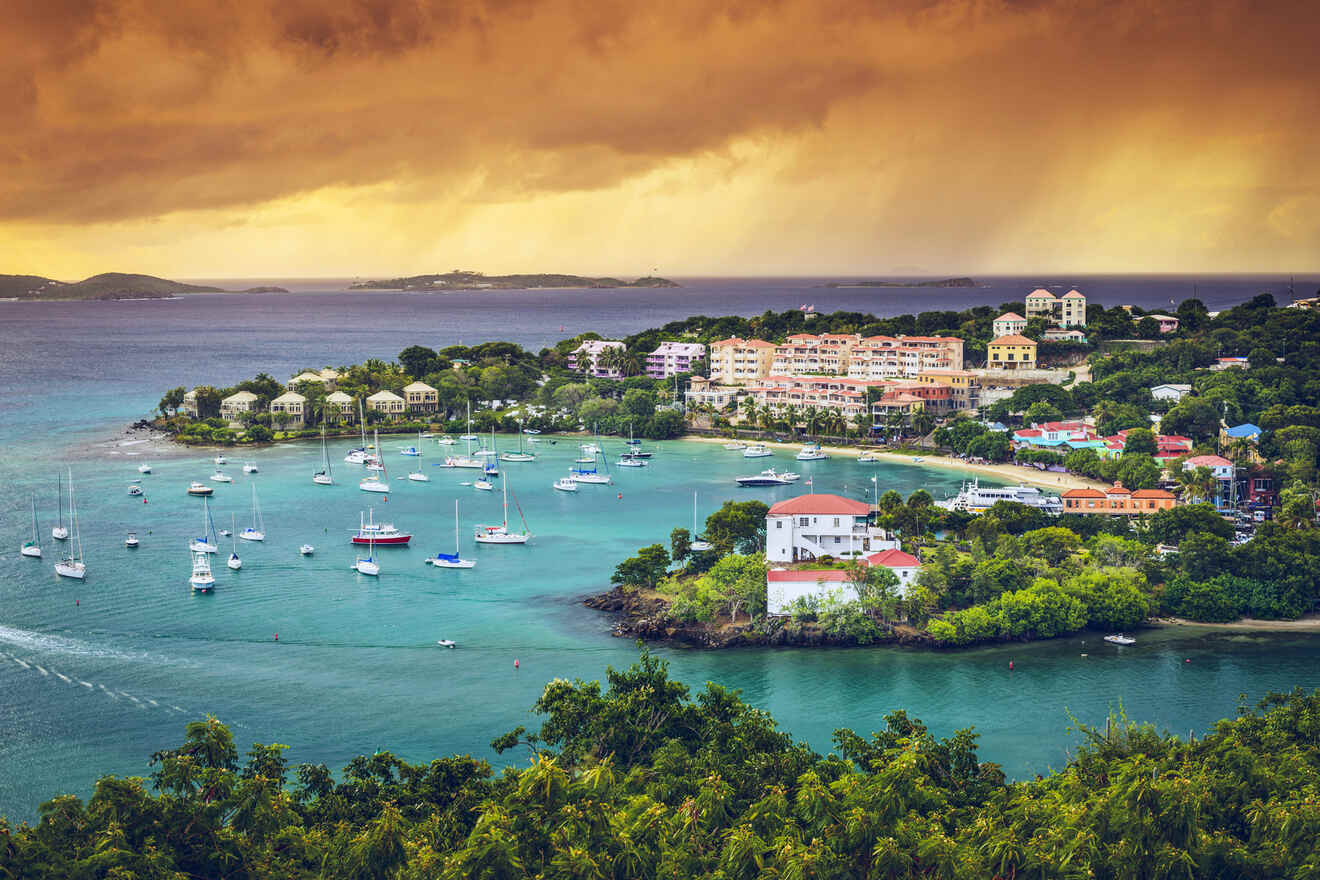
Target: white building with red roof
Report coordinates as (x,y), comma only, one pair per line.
(808,527)
(784,586)
(904,566)
(1009,323)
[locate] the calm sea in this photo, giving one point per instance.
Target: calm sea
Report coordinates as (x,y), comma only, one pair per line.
(96,676)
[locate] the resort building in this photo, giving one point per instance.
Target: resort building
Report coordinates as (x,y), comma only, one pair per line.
(963,386)
(1012,352)
(1068,310)
(807,355)
(1167,446)
(421,397)
(328,375)
(808,527)
(893,357)
(307,376)
(702,392)
(387,402)
(1058,334)
(586,358)
(737,361)
(339,407)
(1116,501)
(842,395)
(1174,392)
(289,409)
(235,405)
(1009,324)
(1168,323)
(673,358)
(189,405)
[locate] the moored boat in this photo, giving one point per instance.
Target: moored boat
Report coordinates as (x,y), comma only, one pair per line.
(371,532)
(767,477)
(201,490)
(756,450)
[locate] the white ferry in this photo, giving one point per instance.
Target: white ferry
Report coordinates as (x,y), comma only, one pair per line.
(975,499)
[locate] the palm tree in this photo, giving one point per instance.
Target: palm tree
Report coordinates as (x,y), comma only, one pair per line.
(811,413)
(1198,483)
(748,406)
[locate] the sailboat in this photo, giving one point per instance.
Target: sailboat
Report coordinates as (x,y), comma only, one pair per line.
(359,455)
(696,544)
(71,566)
(367,566)
(500,534)
(59,532)
(323,476)
(207,542)
(519,455)
(250,467)
(33,548)
(583,475)
(256,531)
(201,579)
(452,560)
(469,460)
(371,482)
(234,562)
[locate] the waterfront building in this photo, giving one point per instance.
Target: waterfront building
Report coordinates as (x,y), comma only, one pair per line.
(1174,392)
(586,358)
(292,406)
(808,527)
(421,397)
(838,393)
(1116,501)
(1012,352)
(702,391)
(737,361)
(189,405)
(673,358)
(875,358)
(340,407)
(233,406)
(1009,324)
(387,402)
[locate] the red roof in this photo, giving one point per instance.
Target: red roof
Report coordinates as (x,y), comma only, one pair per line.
(1084,493)
(1118,489)
(1013,339)
(821,505)
(1152,493)
(894,559)
(809,575)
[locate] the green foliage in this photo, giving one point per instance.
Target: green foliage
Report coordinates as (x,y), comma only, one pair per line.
(737,526)
(643,570)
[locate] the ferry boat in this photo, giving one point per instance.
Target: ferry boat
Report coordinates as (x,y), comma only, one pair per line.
(371,532)
(974,499)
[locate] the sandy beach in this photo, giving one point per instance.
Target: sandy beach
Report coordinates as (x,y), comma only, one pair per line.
(1307,623)
(1009,473)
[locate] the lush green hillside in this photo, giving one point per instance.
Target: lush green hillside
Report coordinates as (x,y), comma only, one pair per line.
(478,281)
(640,781)
(108,285)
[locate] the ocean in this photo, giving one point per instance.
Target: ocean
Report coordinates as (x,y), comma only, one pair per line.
(96,676)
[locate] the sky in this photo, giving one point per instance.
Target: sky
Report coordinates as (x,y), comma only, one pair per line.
(319,138)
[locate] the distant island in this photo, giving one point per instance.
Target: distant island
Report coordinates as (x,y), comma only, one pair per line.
(265,290)
(478,281)
(946,282)
(106,286)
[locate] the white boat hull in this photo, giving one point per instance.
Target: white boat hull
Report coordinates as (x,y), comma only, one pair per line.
(517,456)
(599,479)
(31,552)
(202,585)
(323,480)
(374,486)
(235,563)
(251,535)
(367,567)
(474,463)
(566,486)
(306,549)
(222,478)
(59,533)
(419,478)
(144,469)
(202,547)
(759,453)
(484,486)
(502,539)
(445,563)
(75,570)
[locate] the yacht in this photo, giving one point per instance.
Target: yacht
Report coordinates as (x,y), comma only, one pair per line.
(757,450)
(306,550)
(221,477)
(358,455)
(144,469)
(483,485)
(371,482)
(766,477)
(1120,639)
(628,460)
(131,540)
(585,475)
(234,562)
(72,566)
(446,440)
(201,579)
(519,455)
(367,565)
(206,543)
(200,489)
(135,490)
(591,449)
(452,560)
(974,498)
(220,459)
(419,477)
(811,452)
(323,477)
(33,548)
(696,544)
(566,484)
(371,532)
(414,451)
(869,456)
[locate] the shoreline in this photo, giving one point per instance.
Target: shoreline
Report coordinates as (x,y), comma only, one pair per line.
(1009,473)
(1307,623)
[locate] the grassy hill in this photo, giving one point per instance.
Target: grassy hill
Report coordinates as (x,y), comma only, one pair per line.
(108,285)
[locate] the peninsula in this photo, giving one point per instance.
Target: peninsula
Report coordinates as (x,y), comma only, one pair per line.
(944,282)
(458,280)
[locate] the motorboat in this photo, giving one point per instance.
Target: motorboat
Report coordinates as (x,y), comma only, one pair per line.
(468,437)
(201,579)
(869,456)
(483,485)
(219,477)
(591,459)
(371,532)
(452,560)
(566,484)
(410,450)
(447,643)
(225,533)
(445,441)
(791,476)
(306,550)
(638,453)
(220,459)
(256,531)
(918,458)
(766,477)
(200,489)
(500,534)
(1120,639)
(757,450)
(144,469)
(735,445)
(975,498)
(590,449)
(531,430)
(135,490)
(250,467)
(630,461)
(32,548)
(811,452)
(131,540)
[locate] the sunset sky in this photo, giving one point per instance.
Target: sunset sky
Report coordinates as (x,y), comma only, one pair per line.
(288,138)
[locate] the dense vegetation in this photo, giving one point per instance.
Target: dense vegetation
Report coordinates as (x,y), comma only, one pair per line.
(107,285)
(640,780)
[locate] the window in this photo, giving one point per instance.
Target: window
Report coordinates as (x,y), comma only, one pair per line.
(838,540)
(779,523)
(836,522)
(802,521)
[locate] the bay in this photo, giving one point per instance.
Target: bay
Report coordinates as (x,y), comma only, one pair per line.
(96,676)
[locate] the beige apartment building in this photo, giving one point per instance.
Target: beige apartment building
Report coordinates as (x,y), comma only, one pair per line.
(737,361)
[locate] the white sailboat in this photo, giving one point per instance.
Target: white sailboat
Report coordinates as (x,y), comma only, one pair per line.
(469,460)
(371,482)
(207,542)
(696,544)
(418,477)
(59,532)
(452,560)
(72,566)
(500,534)
(519,455)
(414,451)
(483,485)
(367,565)
(359,455)
(201,579)
(256,531)
(323,477)
(33,548)
(234,562)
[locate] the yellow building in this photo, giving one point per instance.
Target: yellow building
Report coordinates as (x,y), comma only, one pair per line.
(737,361)
(421,397)
(1011,352)
(387,402)
(965,388)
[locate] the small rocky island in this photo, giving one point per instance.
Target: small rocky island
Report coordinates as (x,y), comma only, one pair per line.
(106,286)
(943,282)
(459,280)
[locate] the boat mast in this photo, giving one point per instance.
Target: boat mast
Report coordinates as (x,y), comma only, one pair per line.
(456,542)
(36,536)
(73,515)
(59,496)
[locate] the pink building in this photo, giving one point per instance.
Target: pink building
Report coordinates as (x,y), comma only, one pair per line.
(586,357)
(843,395)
